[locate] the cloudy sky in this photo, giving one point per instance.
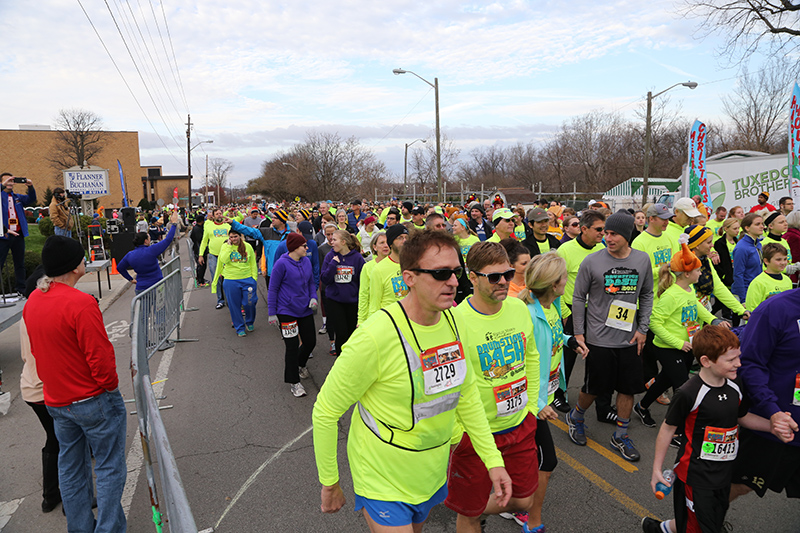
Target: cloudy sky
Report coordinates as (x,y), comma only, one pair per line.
(257,75)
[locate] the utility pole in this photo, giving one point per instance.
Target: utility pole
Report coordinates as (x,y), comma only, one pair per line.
(189,156)
(206,202)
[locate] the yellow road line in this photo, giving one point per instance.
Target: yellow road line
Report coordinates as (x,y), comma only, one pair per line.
(602,450)
(607,487)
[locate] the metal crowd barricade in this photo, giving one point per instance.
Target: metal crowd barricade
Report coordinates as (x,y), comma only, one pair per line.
(155,314)
(192,260)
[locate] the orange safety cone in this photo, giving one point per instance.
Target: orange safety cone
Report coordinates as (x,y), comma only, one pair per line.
(92,256)
(114,266)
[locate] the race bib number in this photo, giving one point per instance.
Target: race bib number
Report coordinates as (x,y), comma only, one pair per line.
(344,274)
(443,367)
(720,444)
(620,315)
(796,396)
(705,301)
(512,397)
(552,383)
(289,329)
(692,330)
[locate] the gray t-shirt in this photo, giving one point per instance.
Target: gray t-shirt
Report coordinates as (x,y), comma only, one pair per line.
(612,288)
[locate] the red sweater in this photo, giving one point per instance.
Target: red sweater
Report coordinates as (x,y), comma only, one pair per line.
(74,357)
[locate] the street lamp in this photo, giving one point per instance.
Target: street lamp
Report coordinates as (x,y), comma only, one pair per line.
(435,86)
(647,133)
(189,173)
(284,163)
(405,165)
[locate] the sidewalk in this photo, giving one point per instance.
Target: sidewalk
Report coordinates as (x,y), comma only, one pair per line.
(119,285)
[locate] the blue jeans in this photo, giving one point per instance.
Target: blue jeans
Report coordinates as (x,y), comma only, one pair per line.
(99,423)
(61,231)
(212,267)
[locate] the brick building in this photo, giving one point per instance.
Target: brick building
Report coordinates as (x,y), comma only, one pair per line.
(24,152)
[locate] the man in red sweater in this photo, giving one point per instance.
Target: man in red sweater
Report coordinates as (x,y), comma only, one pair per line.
(76,363)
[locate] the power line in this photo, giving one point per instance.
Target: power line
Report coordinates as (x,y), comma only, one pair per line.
(126,82)
(139,72)
(166,53)
(402,119)
(169,37)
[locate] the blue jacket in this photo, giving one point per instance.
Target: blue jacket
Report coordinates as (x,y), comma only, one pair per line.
(312,253)
(20,201)
(291,287)
(746,265)
(270,245)
(144,261)
(352,221)
(770,364)
(342,292)
(544,343)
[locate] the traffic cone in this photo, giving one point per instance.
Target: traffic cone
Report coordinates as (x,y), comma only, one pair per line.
(114,266)
(92,256)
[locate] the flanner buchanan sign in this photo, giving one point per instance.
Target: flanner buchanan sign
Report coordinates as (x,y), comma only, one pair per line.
(91,182)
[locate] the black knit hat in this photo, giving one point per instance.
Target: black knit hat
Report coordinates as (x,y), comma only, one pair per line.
(61,254)
(394,232)
(622,223)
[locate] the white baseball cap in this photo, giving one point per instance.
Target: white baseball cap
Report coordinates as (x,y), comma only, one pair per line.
(687,206)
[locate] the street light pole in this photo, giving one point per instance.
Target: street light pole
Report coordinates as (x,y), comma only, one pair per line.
(405,166)
(648,134)
(189,149)
(435,86)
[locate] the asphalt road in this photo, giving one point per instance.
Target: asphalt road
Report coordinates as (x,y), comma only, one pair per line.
(244,449)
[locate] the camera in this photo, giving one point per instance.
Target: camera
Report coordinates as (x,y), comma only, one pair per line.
(74,195)
(20,180)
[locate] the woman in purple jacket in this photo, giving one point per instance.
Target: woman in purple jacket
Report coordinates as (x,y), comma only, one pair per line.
(340,274)
(292,301)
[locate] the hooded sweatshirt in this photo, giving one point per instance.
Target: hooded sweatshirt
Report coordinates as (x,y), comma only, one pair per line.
(291,287)
(342,278)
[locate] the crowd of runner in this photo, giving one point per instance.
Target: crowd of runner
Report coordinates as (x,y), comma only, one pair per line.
(457,329)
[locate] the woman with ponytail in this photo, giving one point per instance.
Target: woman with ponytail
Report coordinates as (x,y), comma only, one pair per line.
(677,316)
(341,272)
(237,266)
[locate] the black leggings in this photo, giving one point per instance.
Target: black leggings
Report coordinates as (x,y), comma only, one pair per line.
(51,444)
(343,318)
(296,355)
(675,366)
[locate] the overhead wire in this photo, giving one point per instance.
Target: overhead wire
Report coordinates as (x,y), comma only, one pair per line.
(169,60)
(169,37)
(402,119)
(130,90)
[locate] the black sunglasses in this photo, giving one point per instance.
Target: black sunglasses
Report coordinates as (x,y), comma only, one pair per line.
(441,274)
(494,277)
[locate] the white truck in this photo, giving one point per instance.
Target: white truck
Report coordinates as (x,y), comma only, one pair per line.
(737,178)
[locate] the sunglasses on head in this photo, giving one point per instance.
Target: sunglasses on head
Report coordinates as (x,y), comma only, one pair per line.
(494,277)
(441,274)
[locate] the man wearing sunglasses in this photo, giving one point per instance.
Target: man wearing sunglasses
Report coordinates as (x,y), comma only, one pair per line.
(503,220)
(538,240)
(612,301)
(497,336)
(399,440)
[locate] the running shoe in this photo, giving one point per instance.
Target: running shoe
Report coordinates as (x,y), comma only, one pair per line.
(676,441)
(610,417)
(304,372)
(250,327)
(651,525)
(333,350)
(644,414)
(560,402)
(298,390)
(520,518)
(219,305)
(323,330)
(625,447)
(242,333)
(538,529)
(577,430)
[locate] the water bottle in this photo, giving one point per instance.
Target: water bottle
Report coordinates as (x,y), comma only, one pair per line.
(664,490)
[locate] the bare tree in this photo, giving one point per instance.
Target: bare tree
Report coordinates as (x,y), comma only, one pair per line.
(525,164)
(218,171)
(757,108)
(749,24)
(422,162)
(487,165)
(79,138)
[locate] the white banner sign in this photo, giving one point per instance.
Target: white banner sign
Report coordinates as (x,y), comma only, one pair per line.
(91,183)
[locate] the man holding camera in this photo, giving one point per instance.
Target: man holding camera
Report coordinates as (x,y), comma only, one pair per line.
(15,225)
(59,213)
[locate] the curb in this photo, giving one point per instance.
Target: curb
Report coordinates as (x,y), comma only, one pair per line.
(105,303)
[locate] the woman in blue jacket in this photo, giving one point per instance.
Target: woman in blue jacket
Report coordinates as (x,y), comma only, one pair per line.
(747,255)
(545,279)
(292,301)
(143,259)
(341,272)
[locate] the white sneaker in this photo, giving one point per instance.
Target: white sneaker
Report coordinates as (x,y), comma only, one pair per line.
(298,390)
(304,372)
(323,330)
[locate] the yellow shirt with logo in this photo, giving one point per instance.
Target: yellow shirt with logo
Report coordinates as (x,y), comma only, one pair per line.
(233,266)
(466,244)
(659,249)
(386,285)
(676,315)
(502,355)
